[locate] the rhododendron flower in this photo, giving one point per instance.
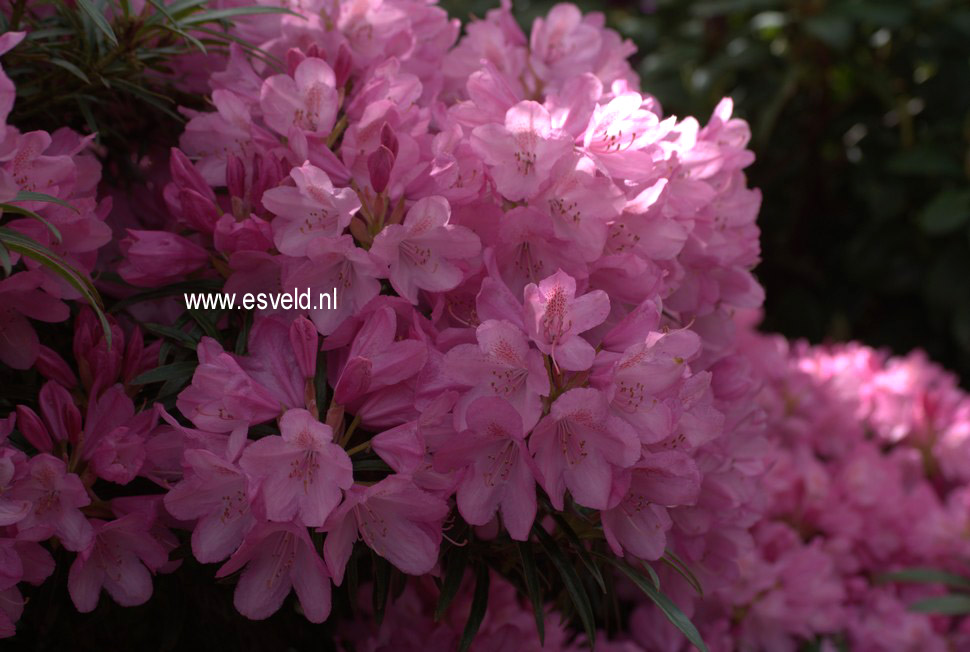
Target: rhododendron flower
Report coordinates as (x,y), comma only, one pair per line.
(277,557)
(580,446)
(307,100)
(334,263)
(497,467)
(222,396)
(376,360)
(313,209)
(120,559)
(501,364)
(420,253)
(521,153)
(638,524)
(214,491)
(555,317)
(20,298)
(301,472)
(396,519)
(56,497)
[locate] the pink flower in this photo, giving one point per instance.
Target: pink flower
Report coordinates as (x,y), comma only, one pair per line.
(580,446)
(501,364)
(307,100)
(155,258)
(120,559)
(334,263)
(420,254)
(20,298)
(555,316)
(397,520)
(215,492)
(377,359)
(497,467)
(639,522)
(56,497)
(645,370)
(222,396)
(278,557)
(8,93)
(313,209)
(522,152)
(300,474)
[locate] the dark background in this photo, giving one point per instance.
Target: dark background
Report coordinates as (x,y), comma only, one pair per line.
(860,111)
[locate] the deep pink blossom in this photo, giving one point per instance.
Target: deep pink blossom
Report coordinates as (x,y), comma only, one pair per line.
(301,472)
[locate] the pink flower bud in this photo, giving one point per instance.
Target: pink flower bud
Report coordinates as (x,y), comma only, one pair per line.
(53,367)
(294,57)
(33,429)
(303,336)
(158,257)
(198,213)
(236,176)
(186,176)
(342,65)
(379,165)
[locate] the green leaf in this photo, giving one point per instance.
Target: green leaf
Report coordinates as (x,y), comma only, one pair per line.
(952,604)
(454,573)
(200,285)
(28,247)
(371,465)
(223,14)
(574,586)
(379,595)
(26,195)
(174,371)
(669,609)
(926,576)
(947,212)
(97,17)
(172,333)
(671,559)
(479,605)
(19,210)
(580,549)
(5,260)
(71,68)
(531,577)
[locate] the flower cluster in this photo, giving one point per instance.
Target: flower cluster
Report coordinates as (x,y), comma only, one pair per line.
(502,232)
(536,340)
(52,179)
(864,479)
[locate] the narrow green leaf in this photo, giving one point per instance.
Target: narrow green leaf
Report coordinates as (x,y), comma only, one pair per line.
(26,195)
(28,247)
(379,595)
(19,210)
(671,559)
(176,370)
(927,576)
(667,606)
(5,260)
(371,465)
(454,573)
(97,17)
(71,68)
(208,325)
(952,604)
(223,14)
(173,25)
(653,575)
(580,549)
(172,333)
(574,586)
(531,576)
(479,605)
